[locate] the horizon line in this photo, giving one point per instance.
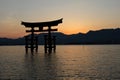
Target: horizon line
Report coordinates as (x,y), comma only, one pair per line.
(64,33)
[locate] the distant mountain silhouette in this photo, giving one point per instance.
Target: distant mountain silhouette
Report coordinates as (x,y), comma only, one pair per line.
(104,36)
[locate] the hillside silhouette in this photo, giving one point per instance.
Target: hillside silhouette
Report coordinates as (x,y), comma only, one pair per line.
(103,36)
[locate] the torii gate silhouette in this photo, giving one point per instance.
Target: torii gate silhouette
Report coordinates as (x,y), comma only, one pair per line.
(32,42)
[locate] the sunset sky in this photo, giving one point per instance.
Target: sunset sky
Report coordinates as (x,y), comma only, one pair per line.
(78,15)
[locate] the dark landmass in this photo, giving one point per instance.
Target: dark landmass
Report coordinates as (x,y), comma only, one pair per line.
(104,36)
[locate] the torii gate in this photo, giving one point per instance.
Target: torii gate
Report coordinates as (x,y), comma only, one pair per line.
(32,42)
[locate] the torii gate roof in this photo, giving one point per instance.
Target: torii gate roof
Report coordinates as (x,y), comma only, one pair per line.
(42,24)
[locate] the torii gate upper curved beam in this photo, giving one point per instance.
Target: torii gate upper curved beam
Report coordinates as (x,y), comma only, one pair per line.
(42,24)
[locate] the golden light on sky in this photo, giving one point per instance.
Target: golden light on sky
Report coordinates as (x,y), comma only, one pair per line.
(78,15)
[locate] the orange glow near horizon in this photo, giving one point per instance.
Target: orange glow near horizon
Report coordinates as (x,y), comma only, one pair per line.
(17,30)
(12,28)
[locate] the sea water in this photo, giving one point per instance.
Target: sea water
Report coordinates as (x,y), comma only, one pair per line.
(70,62)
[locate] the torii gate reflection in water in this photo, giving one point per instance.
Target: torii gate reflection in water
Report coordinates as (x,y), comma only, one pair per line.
(32,41)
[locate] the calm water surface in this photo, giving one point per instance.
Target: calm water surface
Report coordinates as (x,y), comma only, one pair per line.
(70,62)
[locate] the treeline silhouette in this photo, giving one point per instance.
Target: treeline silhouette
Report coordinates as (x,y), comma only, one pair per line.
(103,36)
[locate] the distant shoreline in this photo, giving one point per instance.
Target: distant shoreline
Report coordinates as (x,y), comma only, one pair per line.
(99,37)
(65,44)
